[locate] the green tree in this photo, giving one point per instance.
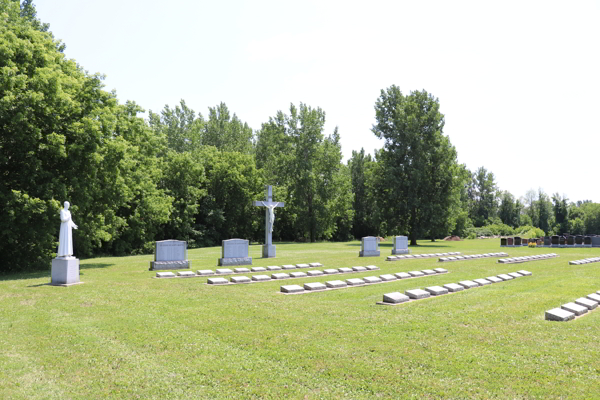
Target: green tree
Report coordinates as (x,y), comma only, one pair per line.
(483,196)
(226,132)
(361,170)
(509,209)
(418,163)
(561,213)
(180,126)
(544,211)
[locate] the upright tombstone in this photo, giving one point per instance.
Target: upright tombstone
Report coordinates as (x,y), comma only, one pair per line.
(587,241)
(510,242)
(170,254)
(554,240)
(400,245)
(524,242)
(517,241)
(547,241)
(502,242)
(579,240)
(270,205)
(65,267)
(562,241)
(595,241)
(571,240)
(234,252)
(369,247)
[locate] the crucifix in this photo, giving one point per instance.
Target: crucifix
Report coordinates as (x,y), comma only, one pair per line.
(269,204)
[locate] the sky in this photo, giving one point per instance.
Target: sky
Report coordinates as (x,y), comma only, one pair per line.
(517,81)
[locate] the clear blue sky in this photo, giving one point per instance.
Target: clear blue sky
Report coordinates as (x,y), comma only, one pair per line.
(518,81)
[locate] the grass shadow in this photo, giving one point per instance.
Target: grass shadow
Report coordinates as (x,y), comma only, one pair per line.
(91,266)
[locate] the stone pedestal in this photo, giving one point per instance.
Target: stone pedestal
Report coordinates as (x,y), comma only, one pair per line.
(268,251)
(65,271)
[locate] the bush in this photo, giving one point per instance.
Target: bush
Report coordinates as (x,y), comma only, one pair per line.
(528,231)
(531,244)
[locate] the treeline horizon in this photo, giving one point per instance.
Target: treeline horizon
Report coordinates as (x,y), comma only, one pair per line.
(181,175)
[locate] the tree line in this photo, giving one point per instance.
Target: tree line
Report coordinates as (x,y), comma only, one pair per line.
(183,175)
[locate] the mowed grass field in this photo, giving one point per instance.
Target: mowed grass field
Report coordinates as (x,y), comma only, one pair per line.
(124,335)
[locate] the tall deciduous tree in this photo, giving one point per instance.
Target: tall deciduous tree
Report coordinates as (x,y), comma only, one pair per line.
(419,163)
(484,197)
(361,171)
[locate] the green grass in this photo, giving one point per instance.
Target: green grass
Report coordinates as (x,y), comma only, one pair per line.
(122,334)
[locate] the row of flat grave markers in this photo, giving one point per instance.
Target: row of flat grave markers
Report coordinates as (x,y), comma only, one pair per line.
(553,241)
(585,261)
(396,298)
(419,256)
(313,287)
(569,311)
(291,275)
(471,257)
(515,260)
(240,270)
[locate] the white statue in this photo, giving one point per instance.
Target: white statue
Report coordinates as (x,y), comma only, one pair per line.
(271,215)
(65,238)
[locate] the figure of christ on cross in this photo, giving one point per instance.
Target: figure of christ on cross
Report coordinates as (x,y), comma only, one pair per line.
(270,205)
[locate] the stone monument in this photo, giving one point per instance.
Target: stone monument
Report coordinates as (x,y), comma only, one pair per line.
(268,247)
(170,254)
(234,252)
(65,267)
(369,247)
(400,245)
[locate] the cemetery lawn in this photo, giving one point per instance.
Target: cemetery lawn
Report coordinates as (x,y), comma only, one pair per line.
(125,335)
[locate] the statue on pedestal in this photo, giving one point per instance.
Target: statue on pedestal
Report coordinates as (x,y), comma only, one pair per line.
(65,238)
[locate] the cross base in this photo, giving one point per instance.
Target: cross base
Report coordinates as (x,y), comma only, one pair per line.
(268,251)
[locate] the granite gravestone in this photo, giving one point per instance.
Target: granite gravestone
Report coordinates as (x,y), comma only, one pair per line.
(65,267)
(400,245)
(270,205)
(587,241)
(517,241)
(369,247)
(571,240)
(234,252)
(502,242)
(170,254)
(554,240)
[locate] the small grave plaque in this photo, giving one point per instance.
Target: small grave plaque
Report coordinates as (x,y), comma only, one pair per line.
(331,271)
(298,274)
(314,286)
(453,287)
(345,270)
(524,273)
(590,304)
(440,270)
(359,269)
(436,290)
(482,282)
(224,271)
(280,275)
(371,267)
(170,254)
(505,277)
(302,266)
(403,275)
(594,296)
(292,289)
(234,252)
(415,273)
(289,266)
(240,270)
(315,273)
(558,314)
(273,268)
(493,279)
(258,269)
(336,284)
(261,278)
(388,277)
(468,284)
(428,272)
(372,279)
(574,308)
(217,281)
(240,279)
(395,298)
(315,265)
(165,275)
(417,294)
(515,274)
(355,282)
(204,272)
(186,274)
(400,245)
(369,247)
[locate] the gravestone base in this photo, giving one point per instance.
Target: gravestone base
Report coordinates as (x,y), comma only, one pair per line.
(268,251)
(368,253)
(400,251)
(160,265)
(235,261)
(65,271)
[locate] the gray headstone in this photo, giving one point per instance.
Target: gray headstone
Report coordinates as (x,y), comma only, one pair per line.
(234,252)
(186,274)
(400,245)
(402,275)
(314,286)
(416,273)
(372,279)
(436,290)
(515,274)
(204,272)
(258,269)
(316,272)
(482,282)
(493,279)
(298,274)
(428,272)
(440,270)
(417,294)
(505,277)
(224,271)
(371,267)
(302,266)
(240,279)
(289,266)
(453,287)
(292,289)
(574,308)
(165,275)
(170,254)
(330,271)
(345,270)
(388,277)
(395,298)
(355,282)
(359,269)
(315,265)
(594,296)
(590,304)
(217,281)
(557,314)
(369,247)
(336,284)
(273,268)
(240,270)
(280,275)
(261,278)
(524,273)
(468,284)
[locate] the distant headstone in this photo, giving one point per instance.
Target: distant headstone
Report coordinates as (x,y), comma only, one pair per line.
(595,241)
(369,247)
(517,241)
(400,245)
(510,241)
(571,241)
(554,240)
(547,241)
(234,252)
(562,241)
(587,241)
(502,242)
(579,240)
(170,254)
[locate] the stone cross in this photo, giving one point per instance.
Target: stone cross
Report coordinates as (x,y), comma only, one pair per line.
(268,248)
